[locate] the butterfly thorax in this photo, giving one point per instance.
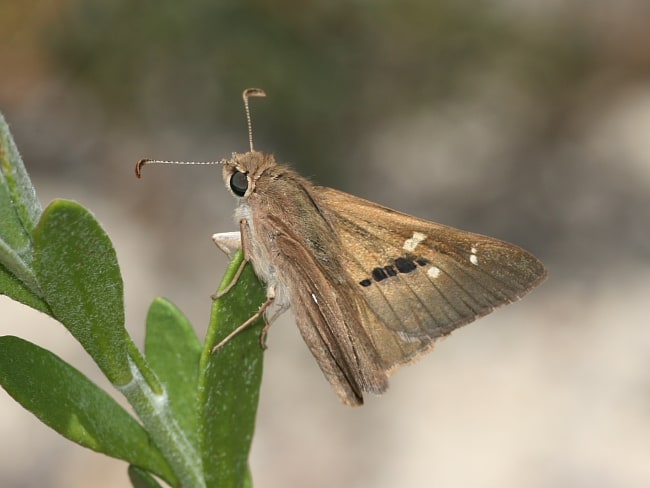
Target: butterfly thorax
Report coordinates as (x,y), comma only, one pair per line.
(276,190)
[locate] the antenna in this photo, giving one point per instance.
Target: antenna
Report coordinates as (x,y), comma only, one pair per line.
(251,92)
(143,162)
(248,92)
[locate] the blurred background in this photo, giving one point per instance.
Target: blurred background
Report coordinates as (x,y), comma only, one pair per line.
(525,120)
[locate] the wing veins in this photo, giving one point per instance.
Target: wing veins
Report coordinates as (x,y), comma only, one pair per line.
(404,282)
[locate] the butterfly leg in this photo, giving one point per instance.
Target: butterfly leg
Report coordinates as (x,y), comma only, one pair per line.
(269,301)
(268,323)
(226,242)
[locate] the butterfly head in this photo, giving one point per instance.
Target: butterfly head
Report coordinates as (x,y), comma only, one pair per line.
(242,173)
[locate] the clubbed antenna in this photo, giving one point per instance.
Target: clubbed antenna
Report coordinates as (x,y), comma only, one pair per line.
(251,92)
(142,162)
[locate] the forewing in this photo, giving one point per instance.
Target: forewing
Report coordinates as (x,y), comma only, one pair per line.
(420,278)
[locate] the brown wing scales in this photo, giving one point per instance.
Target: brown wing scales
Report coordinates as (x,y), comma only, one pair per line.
(329,322)
(423,279)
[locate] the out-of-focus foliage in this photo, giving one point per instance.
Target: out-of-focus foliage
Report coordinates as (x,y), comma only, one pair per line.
(328,65)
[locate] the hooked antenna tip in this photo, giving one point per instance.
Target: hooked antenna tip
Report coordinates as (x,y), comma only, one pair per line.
(138,167)
(251,92)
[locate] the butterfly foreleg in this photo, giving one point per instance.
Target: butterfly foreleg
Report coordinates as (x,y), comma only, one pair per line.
(229,243)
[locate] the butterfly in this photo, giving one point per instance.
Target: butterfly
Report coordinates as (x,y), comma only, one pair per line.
(371,288)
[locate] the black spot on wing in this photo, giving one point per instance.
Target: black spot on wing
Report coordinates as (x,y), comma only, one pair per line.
(390,270)
(400,265)
(404,265)
(378,274)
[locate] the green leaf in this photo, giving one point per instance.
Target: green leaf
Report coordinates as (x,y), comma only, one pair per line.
(68,402)
(19,212)
(19,184)
(77,269)
(173,351)
(230,381)
(15,239)
(17,290)
(142,479)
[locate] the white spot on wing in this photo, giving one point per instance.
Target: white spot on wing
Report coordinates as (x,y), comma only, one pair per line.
(413,242)
(433,272)
(472,257)
(314,298)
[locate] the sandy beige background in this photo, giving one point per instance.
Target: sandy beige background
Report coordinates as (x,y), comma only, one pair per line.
(544,147)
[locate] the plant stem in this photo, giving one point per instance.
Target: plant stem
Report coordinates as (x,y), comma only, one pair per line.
(153,409)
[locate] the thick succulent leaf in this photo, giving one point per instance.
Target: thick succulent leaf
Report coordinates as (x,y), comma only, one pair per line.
(141,479)
(230,381)
(15,239)
(173,351)
(77,270)
(19,184)
(19,212)
(17,290)
(68,402)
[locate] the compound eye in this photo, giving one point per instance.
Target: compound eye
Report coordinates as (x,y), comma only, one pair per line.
(239,183)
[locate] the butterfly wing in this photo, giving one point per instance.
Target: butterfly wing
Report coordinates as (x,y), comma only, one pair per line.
(422,280)
(327,318)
